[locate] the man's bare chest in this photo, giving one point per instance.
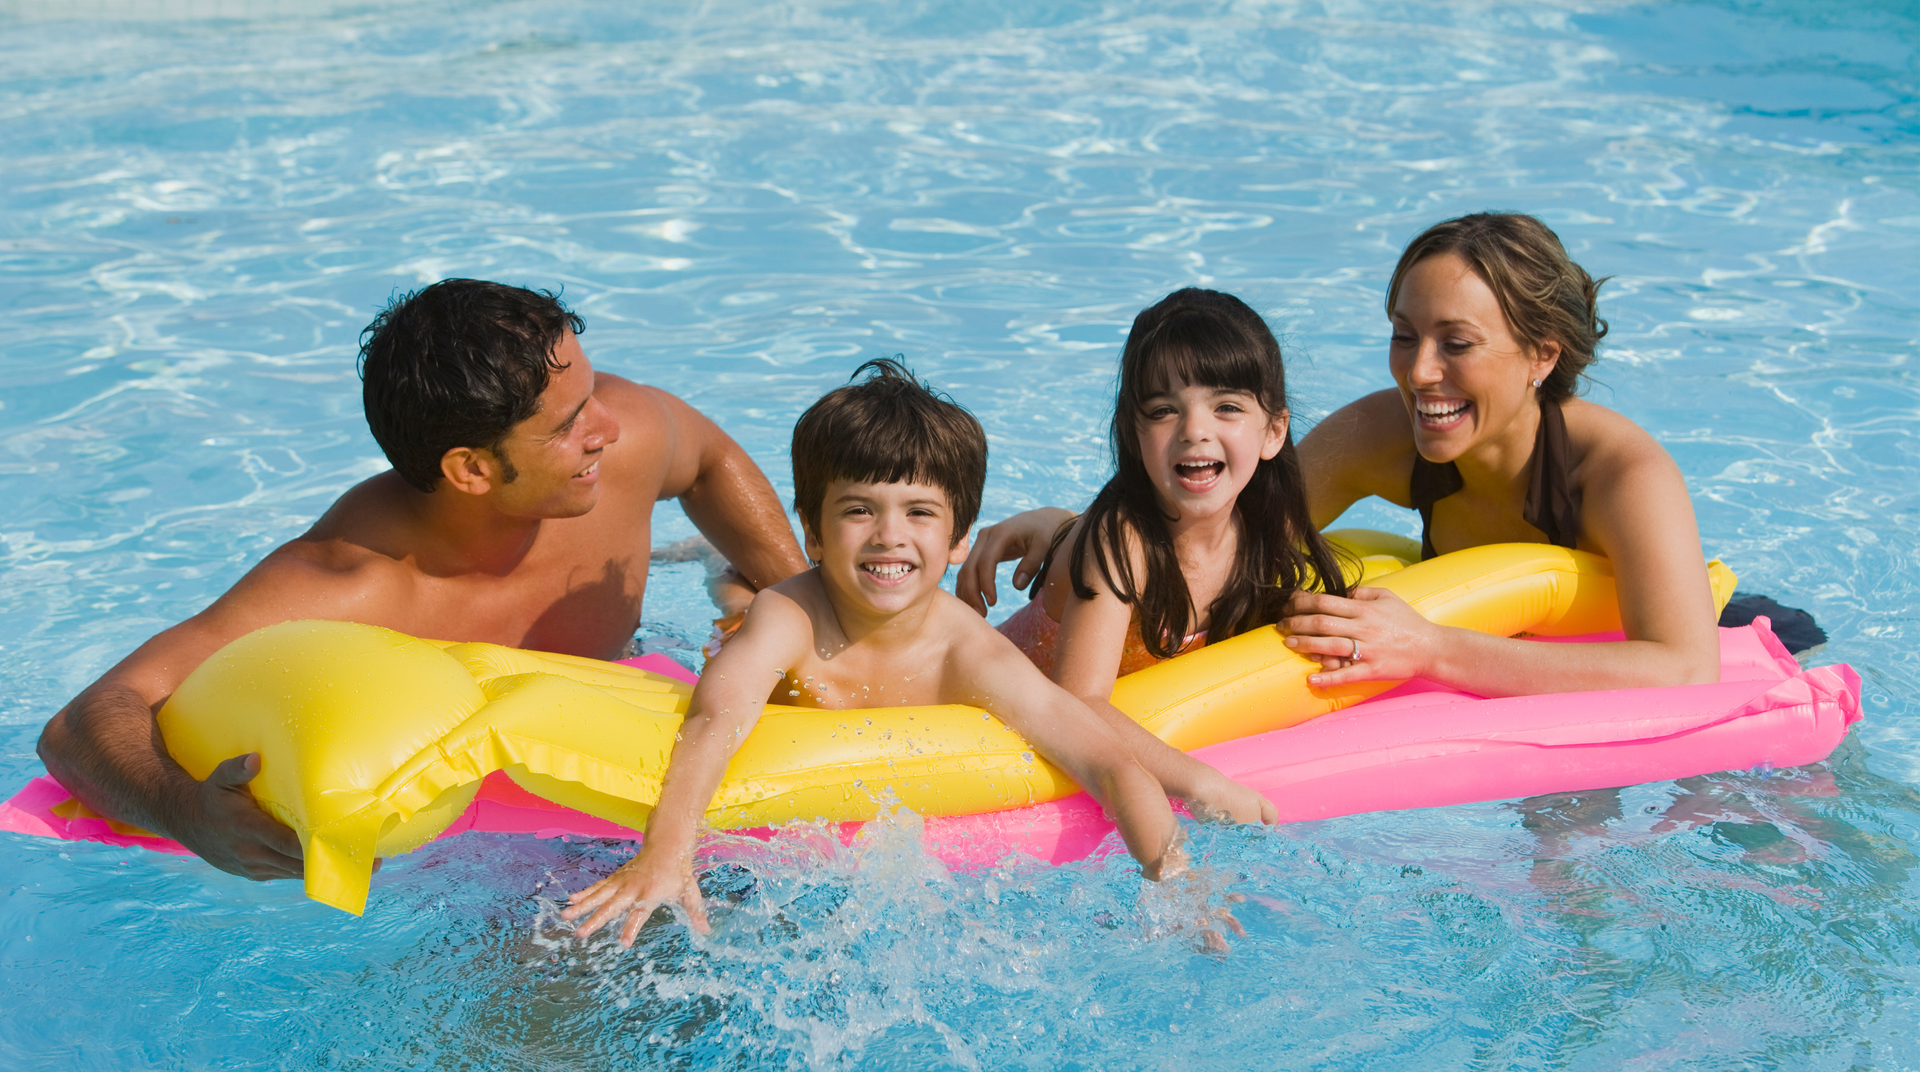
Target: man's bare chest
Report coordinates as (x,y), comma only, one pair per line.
(586,602)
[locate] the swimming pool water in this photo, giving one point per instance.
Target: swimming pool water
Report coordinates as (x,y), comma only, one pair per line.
(202,202)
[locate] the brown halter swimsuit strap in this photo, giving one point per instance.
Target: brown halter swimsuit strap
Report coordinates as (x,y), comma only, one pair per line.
(1550,505)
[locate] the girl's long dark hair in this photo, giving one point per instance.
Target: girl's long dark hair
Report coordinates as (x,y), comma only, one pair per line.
(1208,339)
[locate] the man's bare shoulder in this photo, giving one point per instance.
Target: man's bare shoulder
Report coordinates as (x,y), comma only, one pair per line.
(354,560)
(627,398)
(654,441)
(647,412)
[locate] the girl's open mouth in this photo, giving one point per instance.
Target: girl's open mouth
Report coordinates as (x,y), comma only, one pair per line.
(1199,476)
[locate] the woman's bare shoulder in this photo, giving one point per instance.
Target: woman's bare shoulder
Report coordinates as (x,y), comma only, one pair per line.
(1363,448)
(1605,440)
(1368,419)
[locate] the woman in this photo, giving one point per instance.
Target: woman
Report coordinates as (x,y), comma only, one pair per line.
(1493,328)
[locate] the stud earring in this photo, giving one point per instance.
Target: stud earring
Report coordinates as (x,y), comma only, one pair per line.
(1536,383)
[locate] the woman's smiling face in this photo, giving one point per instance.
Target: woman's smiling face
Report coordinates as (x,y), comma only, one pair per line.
(1463,375)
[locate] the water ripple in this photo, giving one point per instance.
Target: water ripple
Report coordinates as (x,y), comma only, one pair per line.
(205,202)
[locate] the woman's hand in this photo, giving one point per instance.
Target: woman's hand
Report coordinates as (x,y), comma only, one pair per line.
(1023,536)
(641,885)
(1372,636)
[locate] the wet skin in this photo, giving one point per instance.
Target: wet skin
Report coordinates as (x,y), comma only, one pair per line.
(554,559)
(1464,393)
(868,626)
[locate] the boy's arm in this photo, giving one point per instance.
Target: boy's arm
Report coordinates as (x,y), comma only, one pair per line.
(727,702)
(986,670)
(1086,662)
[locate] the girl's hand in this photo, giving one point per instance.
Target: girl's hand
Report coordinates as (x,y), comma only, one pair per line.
(1023,536)
(635,890)
(1392,640)
(1223,800)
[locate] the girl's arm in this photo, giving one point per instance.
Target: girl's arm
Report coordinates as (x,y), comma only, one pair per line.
(727,702)
(1635,510)
(1022,536)
(1086,663)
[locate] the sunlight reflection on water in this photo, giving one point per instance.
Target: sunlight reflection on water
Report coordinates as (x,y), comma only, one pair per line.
(205,204)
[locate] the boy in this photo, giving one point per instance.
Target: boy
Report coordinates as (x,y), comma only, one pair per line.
(887,483)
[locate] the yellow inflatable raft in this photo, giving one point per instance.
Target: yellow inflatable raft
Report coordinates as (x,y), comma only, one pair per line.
(372,742)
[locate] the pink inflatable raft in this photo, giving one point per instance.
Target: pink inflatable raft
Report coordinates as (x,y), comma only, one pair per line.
(1420,745)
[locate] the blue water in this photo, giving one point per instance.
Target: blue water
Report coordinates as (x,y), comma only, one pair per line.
(201,203)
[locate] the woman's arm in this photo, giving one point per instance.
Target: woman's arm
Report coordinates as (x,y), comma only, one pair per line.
(1635,510)
(1363,448)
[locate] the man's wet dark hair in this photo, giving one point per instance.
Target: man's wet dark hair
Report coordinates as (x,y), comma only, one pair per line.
(458,364)
(889,429)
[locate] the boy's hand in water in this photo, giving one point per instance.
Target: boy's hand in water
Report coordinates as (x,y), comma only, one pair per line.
(1181,896)
(1022,536)
(641,885)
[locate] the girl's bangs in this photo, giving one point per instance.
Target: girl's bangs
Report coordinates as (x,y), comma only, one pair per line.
(1197,351)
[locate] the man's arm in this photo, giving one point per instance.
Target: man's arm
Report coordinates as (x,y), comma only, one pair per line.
(105,746)
(728,498)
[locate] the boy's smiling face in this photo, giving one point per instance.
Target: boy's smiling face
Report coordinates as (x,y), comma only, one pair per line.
(884,547)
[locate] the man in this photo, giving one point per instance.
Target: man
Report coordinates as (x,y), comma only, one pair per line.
(518,511)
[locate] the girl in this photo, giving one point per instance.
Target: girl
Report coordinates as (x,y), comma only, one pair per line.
(1201,534)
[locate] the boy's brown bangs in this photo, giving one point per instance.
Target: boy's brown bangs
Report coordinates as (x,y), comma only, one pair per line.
(889,429)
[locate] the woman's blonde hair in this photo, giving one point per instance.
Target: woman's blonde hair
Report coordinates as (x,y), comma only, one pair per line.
(1544,294)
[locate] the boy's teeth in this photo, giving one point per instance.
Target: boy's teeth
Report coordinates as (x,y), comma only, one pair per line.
(889,571)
